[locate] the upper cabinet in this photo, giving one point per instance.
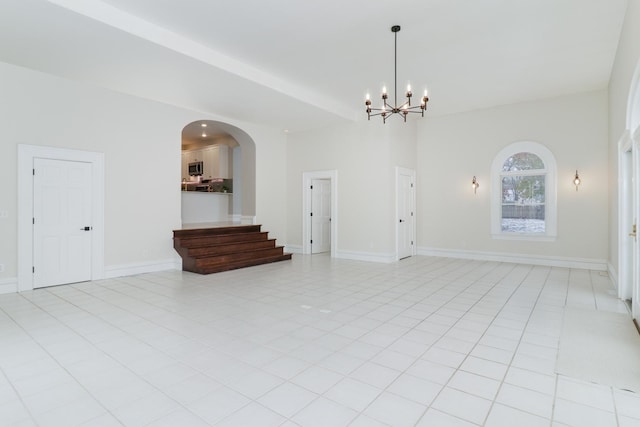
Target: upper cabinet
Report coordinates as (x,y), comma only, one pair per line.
(215,160)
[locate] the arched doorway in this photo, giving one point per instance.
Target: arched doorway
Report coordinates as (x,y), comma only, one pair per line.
(217,159)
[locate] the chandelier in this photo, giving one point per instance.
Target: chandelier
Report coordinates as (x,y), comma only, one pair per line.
(405,108)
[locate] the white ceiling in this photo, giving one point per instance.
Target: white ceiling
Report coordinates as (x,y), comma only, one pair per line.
(298,64)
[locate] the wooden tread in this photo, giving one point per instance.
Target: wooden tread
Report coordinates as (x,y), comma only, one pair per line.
(211,250)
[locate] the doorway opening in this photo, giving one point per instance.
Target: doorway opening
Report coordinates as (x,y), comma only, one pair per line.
(626,219)
(218,159)
(405,213)
(320,212)
(629,201)
(320,215)
(52,231)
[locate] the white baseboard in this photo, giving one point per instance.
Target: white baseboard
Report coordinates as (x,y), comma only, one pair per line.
(613,274)
(248,219)
(141,267)
(293,249)
(547,260)
(8,286)
(366,256)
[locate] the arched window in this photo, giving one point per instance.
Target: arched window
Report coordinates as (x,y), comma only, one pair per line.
(523,184)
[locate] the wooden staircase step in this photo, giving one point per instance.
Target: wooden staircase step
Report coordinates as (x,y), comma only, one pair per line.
(205,232)
(239,256)
(242,264)
(221,239)
(210,250)
(229,248)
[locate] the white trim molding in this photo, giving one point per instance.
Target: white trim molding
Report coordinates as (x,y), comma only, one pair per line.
(26,156)
(132,269)
(293,249)
(613,274)
(242,219)
(248,219)
(546,260)
(625,217)
(367,256)
(9,286)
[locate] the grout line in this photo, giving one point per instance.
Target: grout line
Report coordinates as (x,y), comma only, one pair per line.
(401,299)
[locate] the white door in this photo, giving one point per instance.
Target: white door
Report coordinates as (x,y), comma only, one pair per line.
(62,229)
(320,215)
(626,239)
(405,213)
(635,298)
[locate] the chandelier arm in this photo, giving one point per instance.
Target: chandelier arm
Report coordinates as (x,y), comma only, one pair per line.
(417,109)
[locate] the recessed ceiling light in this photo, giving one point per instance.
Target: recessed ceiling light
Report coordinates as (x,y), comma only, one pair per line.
(204,125)
(204,135)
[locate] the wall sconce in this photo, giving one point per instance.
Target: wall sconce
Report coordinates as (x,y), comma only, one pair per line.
(475,184)
(576,180)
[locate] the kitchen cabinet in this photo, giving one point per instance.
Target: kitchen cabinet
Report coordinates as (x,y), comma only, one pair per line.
(189,157)
(216,162)
(194,156)
(215,159)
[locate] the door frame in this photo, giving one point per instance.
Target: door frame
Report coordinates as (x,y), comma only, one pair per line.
(626,215)
(307,177)
(635,291)
(412,173)
(26,156)
(629,200)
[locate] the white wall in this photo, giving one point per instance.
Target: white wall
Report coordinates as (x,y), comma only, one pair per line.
(452,149)
(270,184)
(627,59)
(449,151)
(365,155)
(141,143)
(236,208)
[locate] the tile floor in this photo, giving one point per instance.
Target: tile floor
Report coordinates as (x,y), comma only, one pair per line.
(311,342)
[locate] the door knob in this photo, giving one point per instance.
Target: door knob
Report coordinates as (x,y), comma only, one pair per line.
(633,231)
(86,228)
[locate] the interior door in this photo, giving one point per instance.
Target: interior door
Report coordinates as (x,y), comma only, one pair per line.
(62,229)
(626,237)
(320,215)
(405,214)
(635,298)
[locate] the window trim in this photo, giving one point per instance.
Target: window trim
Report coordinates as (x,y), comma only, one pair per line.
(551,202)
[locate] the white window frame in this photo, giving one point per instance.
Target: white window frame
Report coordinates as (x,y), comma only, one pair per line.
(551,202)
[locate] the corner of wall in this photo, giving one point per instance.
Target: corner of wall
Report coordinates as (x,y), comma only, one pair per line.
(8,286)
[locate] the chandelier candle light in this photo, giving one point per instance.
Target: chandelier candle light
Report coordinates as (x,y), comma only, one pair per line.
(406,107)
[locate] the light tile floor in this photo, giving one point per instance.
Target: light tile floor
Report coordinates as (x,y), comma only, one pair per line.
(311,342)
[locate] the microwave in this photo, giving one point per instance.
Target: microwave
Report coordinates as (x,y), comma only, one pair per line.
(195,168)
